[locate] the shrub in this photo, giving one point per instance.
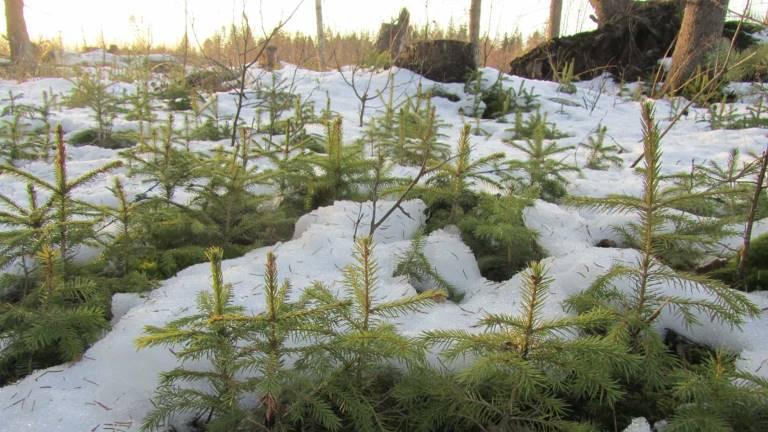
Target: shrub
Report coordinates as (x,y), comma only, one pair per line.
(54,324)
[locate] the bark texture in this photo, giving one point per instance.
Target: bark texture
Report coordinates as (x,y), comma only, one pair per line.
(22,52)
(555,15)
(320,34)
(629,46)
(700,33)
(474,28)
(393,36)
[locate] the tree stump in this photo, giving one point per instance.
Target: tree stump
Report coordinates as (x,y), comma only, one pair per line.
(271,62)
(628,46)
(447,61)
(393,36)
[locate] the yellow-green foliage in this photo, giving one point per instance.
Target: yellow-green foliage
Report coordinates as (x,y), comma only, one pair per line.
(522,371)
(55,323)
(749,65)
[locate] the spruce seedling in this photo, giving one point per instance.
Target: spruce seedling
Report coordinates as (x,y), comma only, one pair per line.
(91,92)
(342,169)
(602,156)
(638,307)
(54,324)
(68,232)
(122,250)
(732,178)
(12,146)
(535,123)
(367,344)
(717,397)
(455,179)
(287,395)
(205,335)
(517,361)
(415,265)
(225,198)
(497,223)
(541,168)
(163,164)
(27,234)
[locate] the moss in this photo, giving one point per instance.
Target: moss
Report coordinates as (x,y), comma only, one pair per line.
(440,91)
(116,140)
(756,277)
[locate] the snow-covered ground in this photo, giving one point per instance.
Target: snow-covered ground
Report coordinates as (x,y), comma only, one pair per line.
(111,386)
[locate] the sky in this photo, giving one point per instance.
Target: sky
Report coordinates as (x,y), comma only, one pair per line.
(80,22)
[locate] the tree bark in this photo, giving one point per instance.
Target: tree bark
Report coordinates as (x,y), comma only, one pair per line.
(393,36)
(474,28)
(320,34)
(700,32)
(22,53)
(606,10)
(555,15)
(185,42)
(271,58)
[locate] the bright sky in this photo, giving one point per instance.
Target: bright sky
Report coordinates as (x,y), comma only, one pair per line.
(77,21)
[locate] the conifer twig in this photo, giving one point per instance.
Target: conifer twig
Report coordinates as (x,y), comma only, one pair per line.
(744,254)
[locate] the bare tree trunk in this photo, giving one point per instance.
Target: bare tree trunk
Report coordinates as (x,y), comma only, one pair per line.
(186,37)
(474,28)
(320,34)
(606,10)
(555,14)
(744,254)
(700,32)
(22,53)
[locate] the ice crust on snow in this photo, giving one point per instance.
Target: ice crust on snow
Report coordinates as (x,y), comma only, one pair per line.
(114,382)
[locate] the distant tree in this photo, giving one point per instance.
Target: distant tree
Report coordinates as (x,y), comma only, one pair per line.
(474,28)
(534,39)
(606,10)
(513,42)
(185,40)
(700,32)
(22,52)
(320,33)
(555,14)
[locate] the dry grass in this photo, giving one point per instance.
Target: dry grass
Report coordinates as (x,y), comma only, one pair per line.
(353,48)
(226,48)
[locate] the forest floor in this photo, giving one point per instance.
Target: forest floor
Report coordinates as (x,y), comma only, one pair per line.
(110,387)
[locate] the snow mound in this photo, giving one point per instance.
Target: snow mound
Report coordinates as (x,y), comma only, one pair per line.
(638,425)
(94,57)
(452,259)
(112,384)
